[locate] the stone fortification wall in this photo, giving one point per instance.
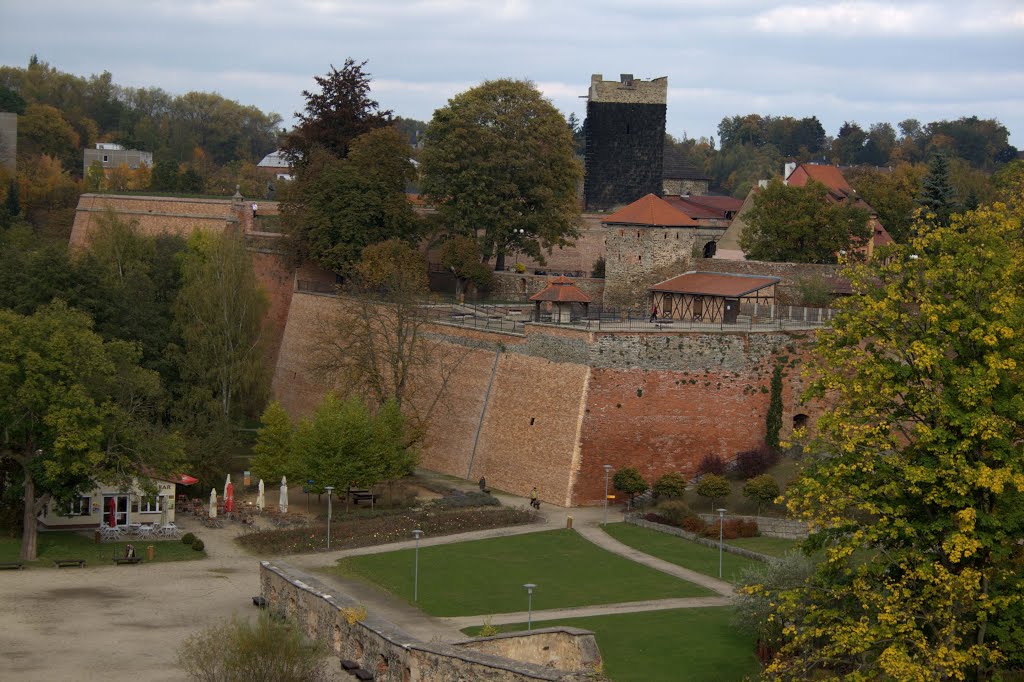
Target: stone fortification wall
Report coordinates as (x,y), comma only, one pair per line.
(514,286)
(791,274)
(637,257)
(155,215)
(697,188)
(628,90)
(392,655)
(579,257)
(791,529)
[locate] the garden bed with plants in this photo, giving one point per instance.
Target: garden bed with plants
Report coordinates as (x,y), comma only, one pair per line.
(383,527)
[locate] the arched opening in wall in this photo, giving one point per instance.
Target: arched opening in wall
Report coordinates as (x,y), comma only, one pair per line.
(710,248)
(800,421)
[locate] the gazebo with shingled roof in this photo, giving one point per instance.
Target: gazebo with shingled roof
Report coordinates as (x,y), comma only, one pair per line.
(562,294)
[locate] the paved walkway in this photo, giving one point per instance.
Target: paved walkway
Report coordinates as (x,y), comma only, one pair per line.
(585,520)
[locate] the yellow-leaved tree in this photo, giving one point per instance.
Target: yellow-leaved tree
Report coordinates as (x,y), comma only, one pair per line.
(914,484)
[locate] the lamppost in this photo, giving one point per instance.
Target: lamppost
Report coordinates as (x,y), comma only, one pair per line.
(607,470)
(721,523)
(416,567)
(330,490)
(529,605)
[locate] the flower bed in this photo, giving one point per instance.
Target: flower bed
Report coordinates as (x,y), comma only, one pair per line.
(382,529)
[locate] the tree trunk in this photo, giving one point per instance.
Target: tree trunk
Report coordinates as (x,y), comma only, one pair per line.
(30,532)
(499,262)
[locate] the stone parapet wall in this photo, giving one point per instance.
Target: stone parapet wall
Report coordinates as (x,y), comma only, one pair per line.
(638,91)
(678,186)
(154,215)
(392,655)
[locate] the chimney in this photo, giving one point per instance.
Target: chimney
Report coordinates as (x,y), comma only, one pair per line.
(626,79)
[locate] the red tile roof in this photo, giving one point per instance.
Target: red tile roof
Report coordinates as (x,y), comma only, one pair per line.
(651,211)
(830,176)
(561,290)
(715,284)
(705,207)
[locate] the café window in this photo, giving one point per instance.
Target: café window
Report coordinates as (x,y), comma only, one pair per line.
(150,503)
(80,507)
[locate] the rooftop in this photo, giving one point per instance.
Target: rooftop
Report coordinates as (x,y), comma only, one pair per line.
(715,284)
(561,290)
(650,211)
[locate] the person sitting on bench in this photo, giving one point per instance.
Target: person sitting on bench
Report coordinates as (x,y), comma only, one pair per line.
(129,551)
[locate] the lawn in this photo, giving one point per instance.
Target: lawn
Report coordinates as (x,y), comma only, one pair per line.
(765,545)
(486,576)
(73,545)
(679,551)
(698,645)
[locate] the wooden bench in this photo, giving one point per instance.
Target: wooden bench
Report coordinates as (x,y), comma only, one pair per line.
(127,560)
(63,563)
(12,565)
(362,495)
(259,601)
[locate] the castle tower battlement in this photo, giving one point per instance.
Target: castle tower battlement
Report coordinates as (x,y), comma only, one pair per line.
(625,132)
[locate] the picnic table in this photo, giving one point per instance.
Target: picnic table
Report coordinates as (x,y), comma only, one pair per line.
(361,495)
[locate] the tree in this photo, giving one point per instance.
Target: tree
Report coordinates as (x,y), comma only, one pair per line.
(498,164)
(344,444)
(916,480)
(713,487)
(461,256)
(333,117)
(761,489)
(937,195)
(341,206)
(892,194)
(848,147)
(74,409)
(773,418)
(629,481)
(670,485)
(220,314)
(42,130)
(374,343)
(273,455)
(800,225)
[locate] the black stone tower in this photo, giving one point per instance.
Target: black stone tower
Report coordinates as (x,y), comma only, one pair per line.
(625,130)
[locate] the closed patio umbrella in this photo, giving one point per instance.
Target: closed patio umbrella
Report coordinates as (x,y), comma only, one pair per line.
(260,499)
(164,501)
(282,500)
(113,513)
(227,482)
(213,503)
(229,497)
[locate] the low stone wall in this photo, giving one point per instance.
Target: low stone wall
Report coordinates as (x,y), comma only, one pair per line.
(393,655)
(638,520)
(769,526)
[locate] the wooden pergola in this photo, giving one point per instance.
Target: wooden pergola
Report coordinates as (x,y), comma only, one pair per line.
(561,293)
(710,296)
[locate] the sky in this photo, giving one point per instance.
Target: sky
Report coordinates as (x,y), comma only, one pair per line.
(867,62)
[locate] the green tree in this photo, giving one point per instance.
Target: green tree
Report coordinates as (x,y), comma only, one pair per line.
(335,116)
(800,225)
(916,480)
(42,130)
(461,256)
(220,313)
(74,409)
(1008,181)
(773,418)
(761,489)
(670,485)
(892,194)
(273,455)
(629,481)
(498,164)
(937,195)
(340,206)
(713,487)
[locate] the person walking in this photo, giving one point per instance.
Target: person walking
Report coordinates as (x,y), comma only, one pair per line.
(254,209)
(534,500)
(654,313)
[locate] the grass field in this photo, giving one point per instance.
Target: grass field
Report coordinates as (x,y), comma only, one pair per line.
(696,645)
(679,551)
(486,576)
(73,545)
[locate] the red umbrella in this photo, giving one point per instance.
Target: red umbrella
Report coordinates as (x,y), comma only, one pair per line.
(229,500)
(113,513)
(185,479)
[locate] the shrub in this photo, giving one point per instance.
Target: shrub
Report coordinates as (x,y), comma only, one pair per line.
(751,463)
(198,545)
(711,464)
(188,539)
(761,489)
(670,485)
(237,651)
(714,487)
(675,511)
(655,517)
(629,481)
(732,529)
(694,524)
(597,271)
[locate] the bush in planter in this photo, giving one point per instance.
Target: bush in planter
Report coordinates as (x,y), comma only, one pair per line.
(714,487)
(670,485)
(654,517)
(198,545)
(761,489)
(629,481)
(188,539)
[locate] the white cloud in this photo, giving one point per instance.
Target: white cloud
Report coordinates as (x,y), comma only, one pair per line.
(845,19)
